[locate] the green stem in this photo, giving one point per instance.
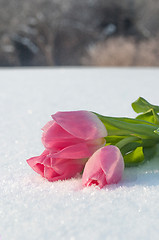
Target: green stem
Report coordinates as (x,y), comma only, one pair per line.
(125,141)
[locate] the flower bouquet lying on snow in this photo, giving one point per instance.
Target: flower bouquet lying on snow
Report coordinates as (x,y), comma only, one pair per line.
(97,146)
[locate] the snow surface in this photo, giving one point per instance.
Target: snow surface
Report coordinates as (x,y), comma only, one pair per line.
(33,208)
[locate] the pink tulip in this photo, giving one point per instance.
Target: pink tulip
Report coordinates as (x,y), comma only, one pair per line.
(70,139)
(55,169)
(75,135)
(105,166)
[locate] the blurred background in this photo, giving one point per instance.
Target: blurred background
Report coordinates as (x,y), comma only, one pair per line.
(79,33)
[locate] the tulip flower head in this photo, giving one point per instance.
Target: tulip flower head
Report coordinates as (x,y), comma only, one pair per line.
(70,139)
(105,166)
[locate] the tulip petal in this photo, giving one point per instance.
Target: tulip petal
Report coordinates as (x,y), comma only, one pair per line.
(37,167)
(112,163)
(81,124)
(47,125)
(75,148)
(49,173)
(105,166)
(92,170)
(53,132)
(55,138)
(68,165)
(94,145)
(76,151)
(54,169)
(69,172)
(97,179)
(36,163)
(59,144)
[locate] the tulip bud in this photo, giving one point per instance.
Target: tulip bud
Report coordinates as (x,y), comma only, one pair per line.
(105,166)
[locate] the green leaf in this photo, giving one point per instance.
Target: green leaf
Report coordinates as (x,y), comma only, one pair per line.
(129,126)
(114,139)
(134,158)
(130,147)
(113,130)
(142,106)
(149,116)
(149,152)
(148,143)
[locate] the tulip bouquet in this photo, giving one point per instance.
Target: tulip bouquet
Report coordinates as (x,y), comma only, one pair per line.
(97,146)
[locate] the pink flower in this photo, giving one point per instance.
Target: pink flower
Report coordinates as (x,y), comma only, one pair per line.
(54,169)
(106,166)
(76,134)
(70,139)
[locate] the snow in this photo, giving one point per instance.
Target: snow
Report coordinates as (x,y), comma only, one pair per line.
(33,208)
